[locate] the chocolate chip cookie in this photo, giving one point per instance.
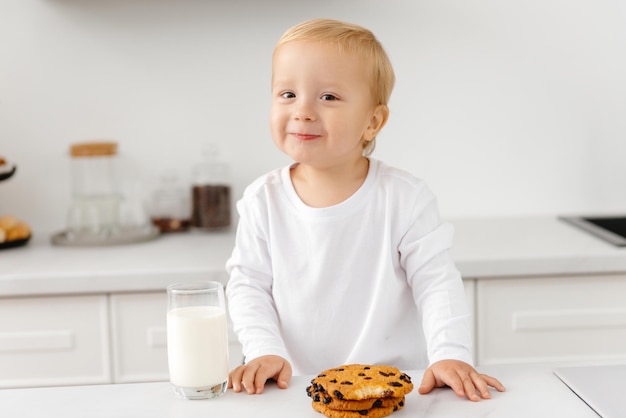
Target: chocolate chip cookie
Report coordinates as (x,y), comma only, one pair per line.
(361,381)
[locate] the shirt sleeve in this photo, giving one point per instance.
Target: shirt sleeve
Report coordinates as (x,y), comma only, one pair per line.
(436,283)
(249,291)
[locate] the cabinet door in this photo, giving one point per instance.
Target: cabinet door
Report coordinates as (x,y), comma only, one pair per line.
(139,337)
(48,341)
(551,319)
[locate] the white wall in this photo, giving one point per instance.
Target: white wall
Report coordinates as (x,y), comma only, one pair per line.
(504,107)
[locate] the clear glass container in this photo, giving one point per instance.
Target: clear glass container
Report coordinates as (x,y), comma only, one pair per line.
(96,198)
(169,207)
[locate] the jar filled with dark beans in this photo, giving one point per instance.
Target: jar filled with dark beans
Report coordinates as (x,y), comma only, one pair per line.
(211,206)
(211,192)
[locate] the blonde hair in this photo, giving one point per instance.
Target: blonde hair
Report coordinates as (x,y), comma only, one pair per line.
(353,39)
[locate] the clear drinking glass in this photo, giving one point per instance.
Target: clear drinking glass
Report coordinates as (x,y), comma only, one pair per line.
(197,340)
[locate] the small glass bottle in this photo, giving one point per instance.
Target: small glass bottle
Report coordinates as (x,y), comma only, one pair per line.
(211,192)
(169,209)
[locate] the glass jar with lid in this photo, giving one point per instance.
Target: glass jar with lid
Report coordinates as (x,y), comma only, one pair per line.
(169,207)
(96,197)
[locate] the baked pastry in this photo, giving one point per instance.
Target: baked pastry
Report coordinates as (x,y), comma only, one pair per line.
(18,231)
(375,412)
(12,229)
(360,381)
(347,405)
(359,390)
(7,222)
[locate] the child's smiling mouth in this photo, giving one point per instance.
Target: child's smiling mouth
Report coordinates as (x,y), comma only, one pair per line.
(304,137)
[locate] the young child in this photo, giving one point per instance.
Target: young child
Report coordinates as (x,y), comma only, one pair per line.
(340,258)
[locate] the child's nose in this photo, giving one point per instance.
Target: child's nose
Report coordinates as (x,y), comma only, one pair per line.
(304,112)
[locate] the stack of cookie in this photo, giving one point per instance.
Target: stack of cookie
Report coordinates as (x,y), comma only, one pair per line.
(358,390)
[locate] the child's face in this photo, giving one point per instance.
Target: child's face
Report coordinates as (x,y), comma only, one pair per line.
(322,106)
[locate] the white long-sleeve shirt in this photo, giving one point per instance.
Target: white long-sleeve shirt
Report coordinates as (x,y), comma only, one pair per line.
(366,281)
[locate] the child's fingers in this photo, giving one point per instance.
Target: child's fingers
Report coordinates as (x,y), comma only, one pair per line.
(277,370)
(284,376)
(481,385)
(262,374)
(249,377)
(428,382)
(234,379)
(252,376)
(494,383)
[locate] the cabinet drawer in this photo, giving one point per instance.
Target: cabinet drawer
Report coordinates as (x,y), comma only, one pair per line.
(551,319)
(48,341)
(139,338)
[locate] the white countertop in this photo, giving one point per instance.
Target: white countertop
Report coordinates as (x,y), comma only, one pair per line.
(532,391)
(497,247)
(494,247)
(43,268)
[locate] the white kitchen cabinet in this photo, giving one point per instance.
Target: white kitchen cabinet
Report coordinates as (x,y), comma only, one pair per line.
(86,339)
(547,319)
(138,336)
(49,341)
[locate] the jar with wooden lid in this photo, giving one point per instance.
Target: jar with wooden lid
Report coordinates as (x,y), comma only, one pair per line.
(96,197)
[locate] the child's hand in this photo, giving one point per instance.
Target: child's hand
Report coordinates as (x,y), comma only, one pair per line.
(461,377)
(253,375)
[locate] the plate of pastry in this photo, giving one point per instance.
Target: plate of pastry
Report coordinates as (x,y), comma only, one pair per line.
(13,232)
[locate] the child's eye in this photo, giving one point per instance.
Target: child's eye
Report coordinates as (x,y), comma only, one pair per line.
(287,95)
(328,97)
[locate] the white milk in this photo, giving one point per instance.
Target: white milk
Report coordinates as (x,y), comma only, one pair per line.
(197,346)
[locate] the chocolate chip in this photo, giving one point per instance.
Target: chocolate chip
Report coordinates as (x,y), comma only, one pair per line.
(405,377)
(333,381)
(316,398)
(327,400)
(363,412)
(395,384)
(346,382)
(384,374)
(401,403)
(338,394)
(366,368)
(377,404)
(367,378)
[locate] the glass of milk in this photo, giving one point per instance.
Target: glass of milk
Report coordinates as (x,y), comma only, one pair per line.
(197,340)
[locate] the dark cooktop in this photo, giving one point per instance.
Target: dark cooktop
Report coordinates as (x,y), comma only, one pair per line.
(609,228)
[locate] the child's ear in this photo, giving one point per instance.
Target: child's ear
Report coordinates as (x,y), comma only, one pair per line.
(378,120)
